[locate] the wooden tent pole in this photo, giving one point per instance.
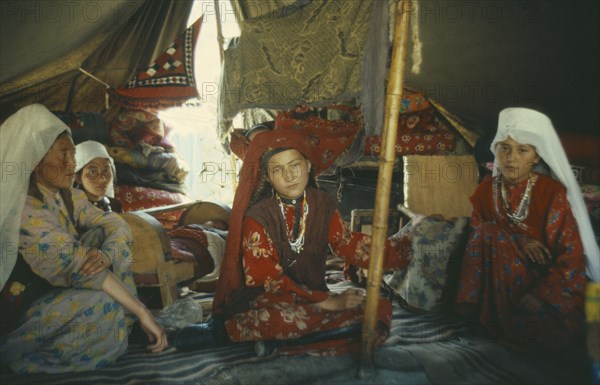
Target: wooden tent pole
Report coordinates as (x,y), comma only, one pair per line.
(220,37)
(384,182)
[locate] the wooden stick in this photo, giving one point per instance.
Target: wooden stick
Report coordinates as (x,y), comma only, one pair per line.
(94,77)
(384,183)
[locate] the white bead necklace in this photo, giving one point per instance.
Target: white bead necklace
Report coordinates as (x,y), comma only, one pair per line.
(298,244)
(523,209)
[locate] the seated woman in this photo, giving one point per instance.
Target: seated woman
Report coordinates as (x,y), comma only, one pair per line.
(201,244)
(524,270)
(272,284)
(82,321)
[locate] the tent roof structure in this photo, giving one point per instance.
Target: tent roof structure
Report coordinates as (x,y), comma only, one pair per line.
(478,56)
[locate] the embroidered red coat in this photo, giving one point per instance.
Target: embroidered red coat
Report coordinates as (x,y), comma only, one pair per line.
(496,273)
(282,286)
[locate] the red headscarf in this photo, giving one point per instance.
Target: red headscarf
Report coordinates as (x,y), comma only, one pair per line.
(231,277)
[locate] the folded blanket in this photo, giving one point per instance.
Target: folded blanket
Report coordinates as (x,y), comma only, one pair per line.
(138,158)
(198,244)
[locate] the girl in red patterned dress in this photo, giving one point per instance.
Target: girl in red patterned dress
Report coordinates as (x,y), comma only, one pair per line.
(272,284)
(524,271)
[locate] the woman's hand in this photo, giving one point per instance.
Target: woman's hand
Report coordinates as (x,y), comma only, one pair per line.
(349,299)
(529,303)
(534,250)
(95,262)
(156,333)
(116,289)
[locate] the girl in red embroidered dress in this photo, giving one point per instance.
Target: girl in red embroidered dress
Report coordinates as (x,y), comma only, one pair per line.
(523,273)
(272,284)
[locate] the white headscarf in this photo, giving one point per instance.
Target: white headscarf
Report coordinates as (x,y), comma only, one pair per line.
(90,150)
(25,137)
(534,128)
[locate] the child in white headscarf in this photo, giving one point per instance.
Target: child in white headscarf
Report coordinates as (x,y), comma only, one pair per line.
(51,233)
(95,174)
(523,273)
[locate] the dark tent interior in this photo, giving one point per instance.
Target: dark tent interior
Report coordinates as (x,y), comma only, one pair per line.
(478,57)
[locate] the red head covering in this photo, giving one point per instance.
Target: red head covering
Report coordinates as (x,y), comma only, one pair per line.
(231,277)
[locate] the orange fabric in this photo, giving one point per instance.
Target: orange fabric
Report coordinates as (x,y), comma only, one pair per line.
(330,138)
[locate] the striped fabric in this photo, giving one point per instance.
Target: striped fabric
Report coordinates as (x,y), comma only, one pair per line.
(422,348)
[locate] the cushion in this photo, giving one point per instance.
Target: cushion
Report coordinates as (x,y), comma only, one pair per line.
(135,198)
(420,132)
(415,143)
(436,247)
(586,175)
(132,126)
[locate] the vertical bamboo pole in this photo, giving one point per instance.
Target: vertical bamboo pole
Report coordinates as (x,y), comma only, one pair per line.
(220,40)
(384,182)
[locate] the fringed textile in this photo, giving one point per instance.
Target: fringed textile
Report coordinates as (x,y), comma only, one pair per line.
(169,81)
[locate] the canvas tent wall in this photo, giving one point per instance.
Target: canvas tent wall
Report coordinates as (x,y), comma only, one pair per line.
(43,45)
(482,56)
(478,56)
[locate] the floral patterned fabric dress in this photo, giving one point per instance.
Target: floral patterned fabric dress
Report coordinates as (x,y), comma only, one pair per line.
(291,283)
(76,326)
(496,274)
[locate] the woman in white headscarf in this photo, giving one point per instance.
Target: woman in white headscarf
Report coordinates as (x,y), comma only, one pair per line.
(95,174)
(51,233)
(524,271)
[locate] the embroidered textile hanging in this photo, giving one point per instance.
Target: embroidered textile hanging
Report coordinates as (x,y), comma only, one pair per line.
(169,80)
(312,56)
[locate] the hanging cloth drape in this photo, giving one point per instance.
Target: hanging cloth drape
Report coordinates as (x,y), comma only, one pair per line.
(312,56)
(248,9)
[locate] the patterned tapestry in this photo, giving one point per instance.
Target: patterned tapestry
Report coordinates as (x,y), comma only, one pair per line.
(169,80)
(312,56)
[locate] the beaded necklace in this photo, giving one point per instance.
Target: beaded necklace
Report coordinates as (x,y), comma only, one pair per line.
(298,244)
(523,208)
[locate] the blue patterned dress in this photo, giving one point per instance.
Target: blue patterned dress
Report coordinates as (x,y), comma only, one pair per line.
(76,326)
